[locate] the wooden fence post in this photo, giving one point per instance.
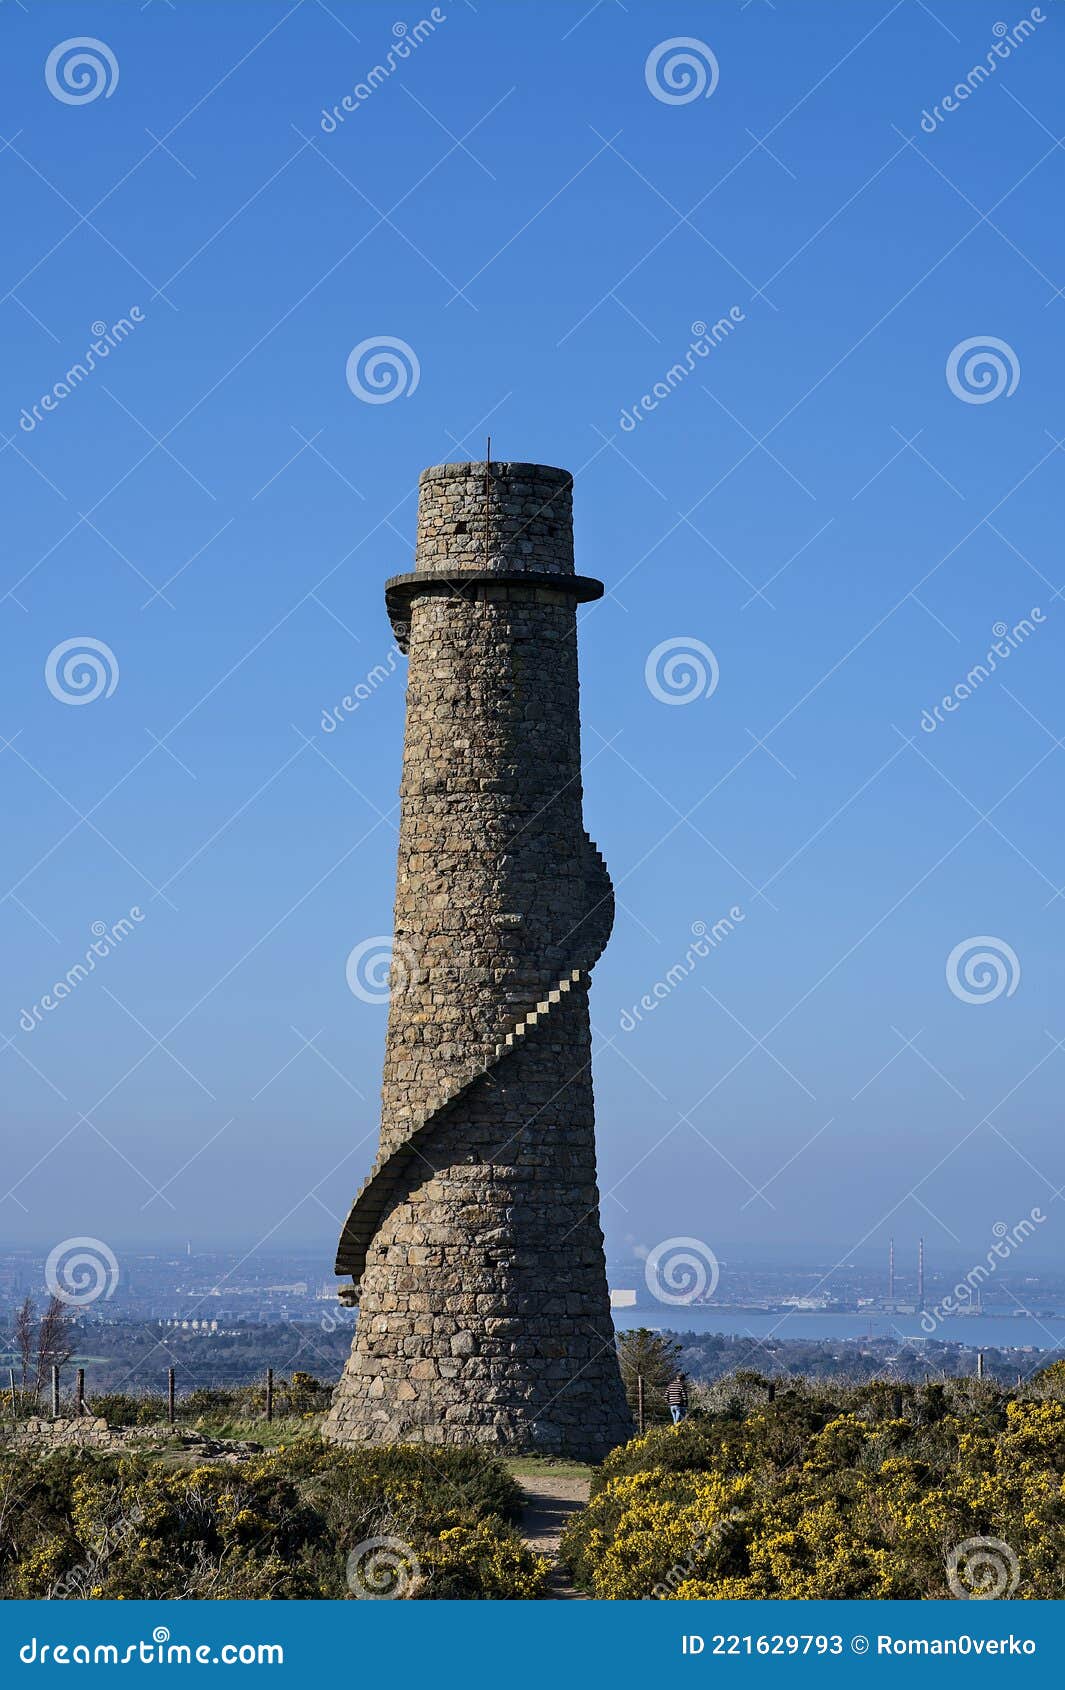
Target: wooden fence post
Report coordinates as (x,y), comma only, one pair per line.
(979,1364)
(55,1391)
(79,1394)
(11,1378)
(269,1393)
(170,1395)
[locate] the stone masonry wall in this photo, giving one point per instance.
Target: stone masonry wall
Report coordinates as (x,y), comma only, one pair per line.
(483,1307)
(530,518)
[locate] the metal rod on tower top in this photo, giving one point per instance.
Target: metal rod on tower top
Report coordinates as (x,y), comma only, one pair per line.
(487,494)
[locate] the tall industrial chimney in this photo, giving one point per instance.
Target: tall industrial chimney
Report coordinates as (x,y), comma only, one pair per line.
(475,1244)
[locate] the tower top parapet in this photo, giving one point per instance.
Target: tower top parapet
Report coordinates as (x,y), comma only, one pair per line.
(490,524)
(496,518)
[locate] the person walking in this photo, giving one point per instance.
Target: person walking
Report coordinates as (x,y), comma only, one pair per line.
(677,1397)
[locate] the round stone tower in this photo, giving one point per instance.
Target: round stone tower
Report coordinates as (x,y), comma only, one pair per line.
(475,1244)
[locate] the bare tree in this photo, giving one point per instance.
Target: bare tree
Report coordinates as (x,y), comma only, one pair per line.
(54,1346)
(24,1339)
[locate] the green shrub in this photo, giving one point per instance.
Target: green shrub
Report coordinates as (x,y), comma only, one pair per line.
(280,1525)
(122,1408)
(210,1399)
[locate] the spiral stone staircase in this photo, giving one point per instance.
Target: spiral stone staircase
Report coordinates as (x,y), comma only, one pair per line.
(392,1174)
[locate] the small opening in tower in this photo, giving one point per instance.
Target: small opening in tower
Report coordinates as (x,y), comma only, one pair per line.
(461,528)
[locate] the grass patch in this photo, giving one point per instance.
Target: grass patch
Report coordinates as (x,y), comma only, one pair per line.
(545,1466)
(255,1429)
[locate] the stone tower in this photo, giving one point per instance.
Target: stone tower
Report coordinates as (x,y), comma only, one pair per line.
(475,1244)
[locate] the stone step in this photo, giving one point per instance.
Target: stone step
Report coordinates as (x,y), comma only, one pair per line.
(385,1174)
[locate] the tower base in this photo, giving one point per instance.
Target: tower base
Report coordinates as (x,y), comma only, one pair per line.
(483,1311)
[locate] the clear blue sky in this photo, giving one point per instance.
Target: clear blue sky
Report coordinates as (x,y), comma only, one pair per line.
(517,206)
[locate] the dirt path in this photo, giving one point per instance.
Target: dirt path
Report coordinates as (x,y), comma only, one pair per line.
(550,1504)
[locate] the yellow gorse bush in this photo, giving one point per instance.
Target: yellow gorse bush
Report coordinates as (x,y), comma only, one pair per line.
(820,1494)
(282,1524)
